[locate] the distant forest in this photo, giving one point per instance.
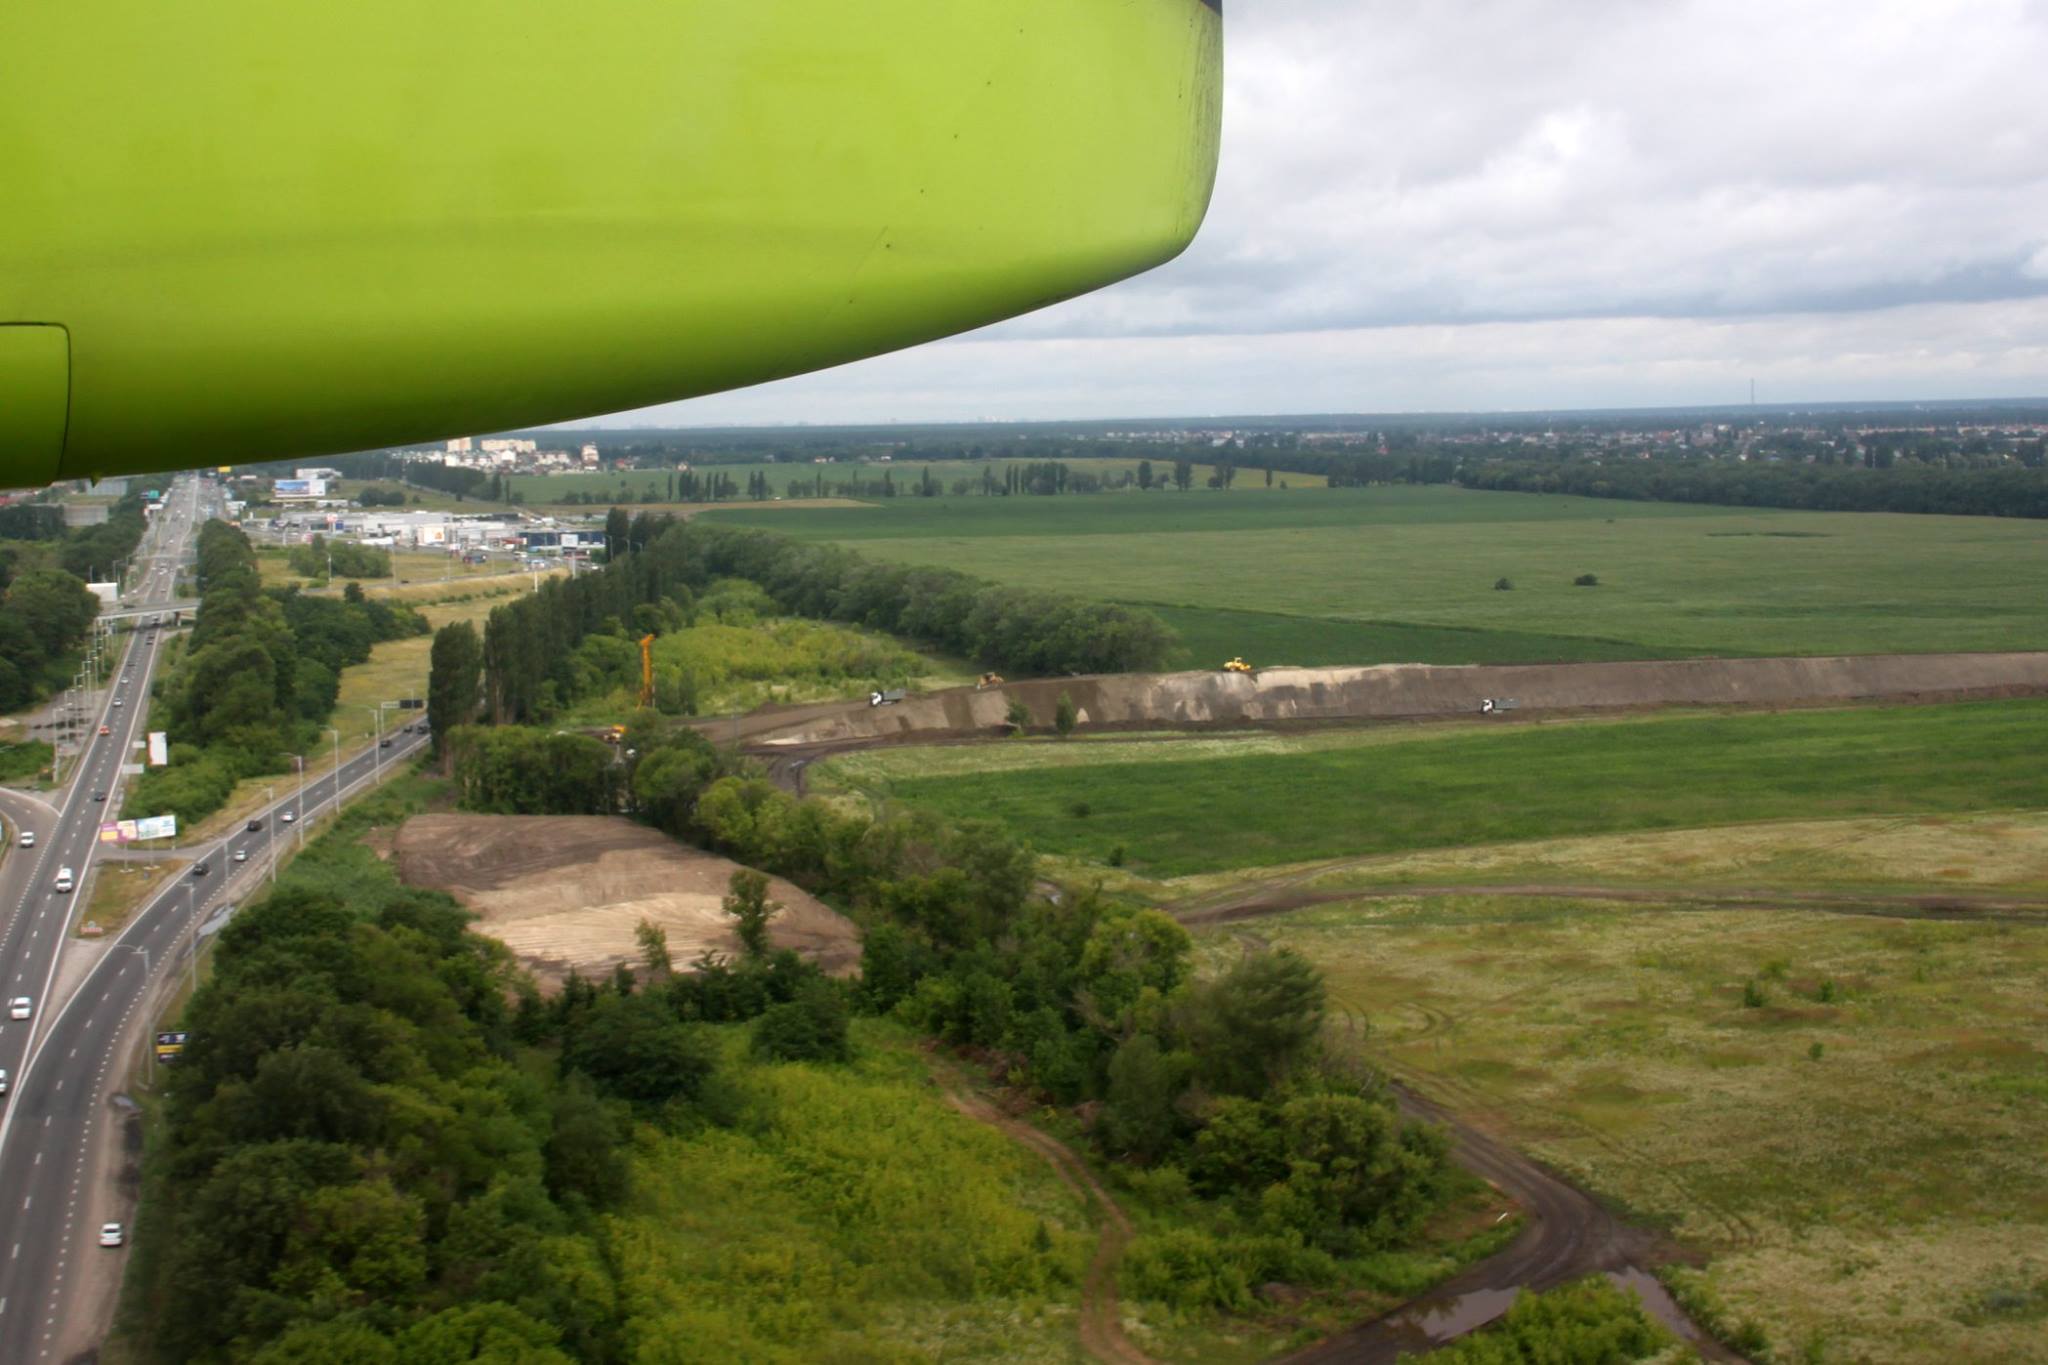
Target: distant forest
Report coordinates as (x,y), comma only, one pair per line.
(1982,459)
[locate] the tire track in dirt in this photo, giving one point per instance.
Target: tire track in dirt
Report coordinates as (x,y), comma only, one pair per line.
(1102,1332)
(1938,905)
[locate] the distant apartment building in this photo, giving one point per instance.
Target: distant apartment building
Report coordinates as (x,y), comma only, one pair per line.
(461,445)
(590,457)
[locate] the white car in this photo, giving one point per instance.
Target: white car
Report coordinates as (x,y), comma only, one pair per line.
(288,817)
(3,1080)
(28,838)
(20,1007)
(111,1235)
(241,855)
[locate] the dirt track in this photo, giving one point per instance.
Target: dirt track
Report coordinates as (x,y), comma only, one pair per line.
(1915,905)
(1102,1333)
(1279,696)
(567,892)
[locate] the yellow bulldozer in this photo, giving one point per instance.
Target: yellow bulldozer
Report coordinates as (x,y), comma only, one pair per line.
(1236,666)
(988,680)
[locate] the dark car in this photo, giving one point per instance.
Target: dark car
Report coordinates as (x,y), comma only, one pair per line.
(254,825)
(384,744)
(201,868)
(99,796)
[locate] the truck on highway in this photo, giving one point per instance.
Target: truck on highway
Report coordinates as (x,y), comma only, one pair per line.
(64,880)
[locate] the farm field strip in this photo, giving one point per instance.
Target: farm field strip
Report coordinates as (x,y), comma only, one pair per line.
(1672,579)
(1168,817)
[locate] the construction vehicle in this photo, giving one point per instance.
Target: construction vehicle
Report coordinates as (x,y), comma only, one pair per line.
(613,734)
(646,671)
(987,681)
(1237,666)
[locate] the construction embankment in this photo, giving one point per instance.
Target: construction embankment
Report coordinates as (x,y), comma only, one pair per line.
(1130,701)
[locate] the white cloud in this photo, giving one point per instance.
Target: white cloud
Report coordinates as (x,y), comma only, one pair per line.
(1694,170)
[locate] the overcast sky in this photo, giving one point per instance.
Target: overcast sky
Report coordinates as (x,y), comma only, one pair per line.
(1499,204)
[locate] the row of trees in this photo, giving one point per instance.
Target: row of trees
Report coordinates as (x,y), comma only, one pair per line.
(2000,492)
(259,676)
(322,558)
(45,609)
(44,615)
(529,646)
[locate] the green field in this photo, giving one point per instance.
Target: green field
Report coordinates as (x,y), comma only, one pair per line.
(1673,579)
(1843,1112)
(1175,811)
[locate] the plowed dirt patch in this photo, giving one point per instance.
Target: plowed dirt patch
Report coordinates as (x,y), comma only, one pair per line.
(568,891)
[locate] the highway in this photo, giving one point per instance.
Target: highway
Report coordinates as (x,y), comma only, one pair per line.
(63,1065)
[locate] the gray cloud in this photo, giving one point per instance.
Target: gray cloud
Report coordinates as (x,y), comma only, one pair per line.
(1403,179)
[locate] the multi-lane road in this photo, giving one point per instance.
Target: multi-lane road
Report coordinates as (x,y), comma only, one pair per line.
(63,1063)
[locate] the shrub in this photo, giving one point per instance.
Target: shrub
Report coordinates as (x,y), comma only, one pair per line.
(1752,995)
(1064,715)
(810,1028)
(1586,580)
(1503,585)
(1018,717)
(1186,1269)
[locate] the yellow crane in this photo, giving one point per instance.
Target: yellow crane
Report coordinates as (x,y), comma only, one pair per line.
(646,671)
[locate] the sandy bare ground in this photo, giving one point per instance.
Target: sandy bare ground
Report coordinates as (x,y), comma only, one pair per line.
(568,891)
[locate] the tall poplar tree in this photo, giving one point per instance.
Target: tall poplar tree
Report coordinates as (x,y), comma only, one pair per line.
(455,675)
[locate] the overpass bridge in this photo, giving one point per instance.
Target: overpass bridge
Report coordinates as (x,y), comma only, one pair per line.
(173,609)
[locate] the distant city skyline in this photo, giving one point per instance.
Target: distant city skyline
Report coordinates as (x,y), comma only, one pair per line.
(1531,204)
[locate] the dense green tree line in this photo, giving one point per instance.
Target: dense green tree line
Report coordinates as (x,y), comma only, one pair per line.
(31,521)
(2010,491)
(44,615)
(322,558)
(357,1165)
(529,646)
(258,677)
(45,609)
(90,552)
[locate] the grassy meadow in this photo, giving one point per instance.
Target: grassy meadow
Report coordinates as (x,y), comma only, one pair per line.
(1175,809)
(1842,1111)
(1350,566)
(850,1214)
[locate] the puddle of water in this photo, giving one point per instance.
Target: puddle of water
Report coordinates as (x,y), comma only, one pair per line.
(1468,1312)
(1657,1301)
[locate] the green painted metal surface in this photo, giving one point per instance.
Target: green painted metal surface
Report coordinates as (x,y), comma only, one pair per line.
(274,229)
(34,385)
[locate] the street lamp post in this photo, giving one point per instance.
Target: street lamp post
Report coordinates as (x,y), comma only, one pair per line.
(270,832)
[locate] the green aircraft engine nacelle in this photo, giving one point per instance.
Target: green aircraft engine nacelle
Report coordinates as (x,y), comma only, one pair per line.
(258,229)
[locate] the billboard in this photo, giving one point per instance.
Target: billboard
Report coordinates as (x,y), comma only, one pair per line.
(169,1045)
(298,488)
(159,748)
(128,831)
